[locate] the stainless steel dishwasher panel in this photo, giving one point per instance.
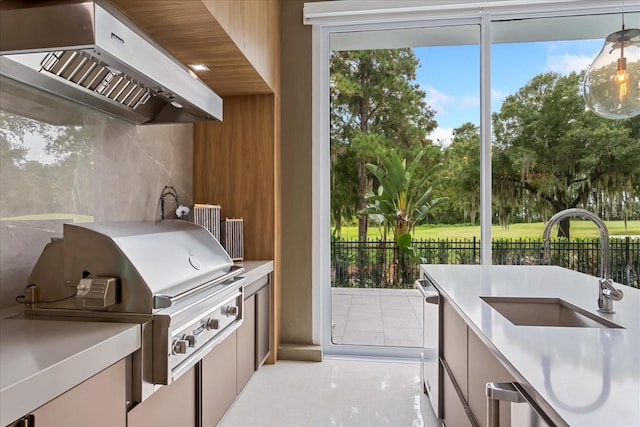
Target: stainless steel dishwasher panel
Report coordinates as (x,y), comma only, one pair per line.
(431,369)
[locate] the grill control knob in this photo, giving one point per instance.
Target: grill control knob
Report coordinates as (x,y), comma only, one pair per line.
(180,346)
(232,310)
(213,324)
(190,339)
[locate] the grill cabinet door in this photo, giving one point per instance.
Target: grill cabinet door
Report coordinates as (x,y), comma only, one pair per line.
(171,405)
(218,381)
(247,343)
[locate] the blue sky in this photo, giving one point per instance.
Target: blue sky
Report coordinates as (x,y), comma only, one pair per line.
(450,75)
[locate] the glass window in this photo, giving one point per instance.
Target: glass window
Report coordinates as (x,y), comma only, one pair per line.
(405,173)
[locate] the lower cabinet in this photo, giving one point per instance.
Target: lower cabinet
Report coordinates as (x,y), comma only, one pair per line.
(170,406)
(96,402)
(454,361)
(454,346)
(263,324)
(484,368)
(205,391)
(254,336)
(468,366)
(202,395)
(455,412)
(230,365)
(219,381)
(246,345)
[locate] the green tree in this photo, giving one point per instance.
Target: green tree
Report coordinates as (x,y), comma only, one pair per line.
(404,199)
(462,159)
(344,187)
(374,105)
(552,153)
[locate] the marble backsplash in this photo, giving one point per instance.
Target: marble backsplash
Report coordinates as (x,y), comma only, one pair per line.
(61,162)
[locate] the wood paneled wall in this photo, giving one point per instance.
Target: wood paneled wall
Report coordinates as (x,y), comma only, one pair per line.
(236,163)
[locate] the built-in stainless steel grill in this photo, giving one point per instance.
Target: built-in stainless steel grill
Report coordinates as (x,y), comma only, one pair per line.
(172,277)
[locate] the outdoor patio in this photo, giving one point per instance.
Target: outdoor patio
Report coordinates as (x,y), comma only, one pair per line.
(382,317)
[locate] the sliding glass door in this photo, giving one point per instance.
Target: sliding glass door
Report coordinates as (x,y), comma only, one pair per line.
(404,104)
(488,98)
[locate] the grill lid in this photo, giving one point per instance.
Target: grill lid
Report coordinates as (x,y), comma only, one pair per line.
(154,262)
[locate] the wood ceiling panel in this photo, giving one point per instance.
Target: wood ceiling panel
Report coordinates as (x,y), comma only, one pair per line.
(189,32)
(253,25)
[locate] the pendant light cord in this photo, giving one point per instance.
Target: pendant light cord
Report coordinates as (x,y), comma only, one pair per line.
(622,40)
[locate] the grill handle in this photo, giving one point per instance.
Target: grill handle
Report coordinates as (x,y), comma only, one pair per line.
(164,301)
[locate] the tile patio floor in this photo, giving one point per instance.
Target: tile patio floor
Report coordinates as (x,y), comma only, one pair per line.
(382,317)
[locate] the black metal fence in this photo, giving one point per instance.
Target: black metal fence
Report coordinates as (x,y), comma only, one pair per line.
(371,264)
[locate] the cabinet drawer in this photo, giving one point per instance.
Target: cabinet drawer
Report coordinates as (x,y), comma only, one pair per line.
(246,345)
(454,345)
(171,405)
(263,325)
(99,401)
(218,381)
(484,367)
(455,414)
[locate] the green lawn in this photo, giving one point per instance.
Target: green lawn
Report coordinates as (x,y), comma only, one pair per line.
(579,228)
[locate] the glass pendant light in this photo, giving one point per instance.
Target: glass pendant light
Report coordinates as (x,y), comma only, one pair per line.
(612,82)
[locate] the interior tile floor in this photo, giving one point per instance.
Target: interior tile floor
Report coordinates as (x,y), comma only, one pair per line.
(384,317)
(335,392)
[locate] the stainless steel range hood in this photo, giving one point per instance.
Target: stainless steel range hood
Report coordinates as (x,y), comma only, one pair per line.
(87,51)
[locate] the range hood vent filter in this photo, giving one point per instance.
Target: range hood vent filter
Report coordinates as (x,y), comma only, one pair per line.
(81,69)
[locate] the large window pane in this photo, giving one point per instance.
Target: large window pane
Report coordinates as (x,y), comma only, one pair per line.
(404,124)
(551,153)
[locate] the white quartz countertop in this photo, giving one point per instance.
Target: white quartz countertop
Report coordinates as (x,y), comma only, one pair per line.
(41,359)
(253,270)
(589,376)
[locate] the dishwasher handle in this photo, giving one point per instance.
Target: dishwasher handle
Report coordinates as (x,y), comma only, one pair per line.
(428,291)
(513,393)
(497,392)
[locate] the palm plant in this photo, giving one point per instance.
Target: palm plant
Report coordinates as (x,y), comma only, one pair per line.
(404,199)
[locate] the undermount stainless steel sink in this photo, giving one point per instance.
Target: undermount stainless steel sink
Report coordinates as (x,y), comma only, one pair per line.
(553,312)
